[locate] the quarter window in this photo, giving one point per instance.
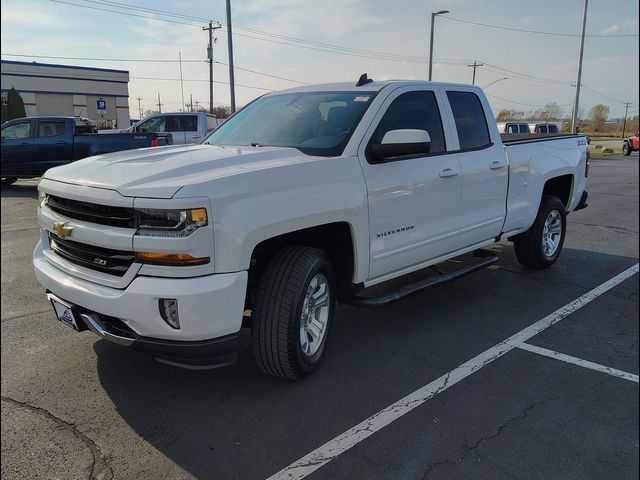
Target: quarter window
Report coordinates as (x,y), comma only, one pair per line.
(471,123)
(413,110)
(17,130)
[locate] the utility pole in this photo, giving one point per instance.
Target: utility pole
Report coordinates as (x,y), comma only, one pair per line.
(139,107)
(181,84)
(159,104)
(576,101)
(191,102)
(624,125)
(211,28)
(475,65)
(232,87)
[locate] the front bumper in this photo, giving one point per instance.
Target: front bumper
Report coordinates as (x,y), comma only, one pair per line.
(210,308)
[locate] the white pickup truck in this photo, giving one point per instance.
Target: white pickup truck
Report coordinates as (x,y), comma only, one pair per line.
(184,127)
(304,197)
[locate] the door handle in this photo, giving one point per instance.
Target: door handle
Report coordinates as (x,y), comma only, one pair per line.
(448,172)
(25,144)
(60,142)
(497,165)
(195,136)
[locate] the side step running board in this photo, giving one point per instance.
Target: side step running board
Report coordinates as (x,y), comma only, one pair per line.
(486,258)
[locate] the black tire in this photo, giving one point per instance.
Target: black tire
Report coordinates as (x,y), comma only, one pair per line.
(8,181)
(278,308)
(626,149)
(529,245)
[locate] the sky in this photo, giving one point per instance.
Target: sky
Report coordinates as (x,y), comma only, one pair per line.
(317,41)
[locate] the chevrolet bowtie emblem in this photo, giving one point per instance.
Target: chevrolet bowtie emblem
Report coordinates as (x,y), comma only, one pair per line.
(61,230)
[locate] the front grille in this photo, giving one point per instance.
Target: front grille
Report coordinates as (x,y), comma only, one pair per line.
(92,212)
(114,262)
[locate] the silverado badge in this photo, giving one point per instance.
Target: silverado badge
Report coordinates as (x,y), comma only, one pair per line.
(62,231)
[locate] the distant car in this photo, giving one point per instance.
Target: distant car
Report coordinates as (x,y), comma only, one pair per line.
(185,127)
(631,144)
(546,127)
(514,127)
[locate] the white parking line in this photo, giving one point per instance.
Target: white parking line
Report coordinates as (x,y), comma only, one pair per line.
(578,361)
(343,442)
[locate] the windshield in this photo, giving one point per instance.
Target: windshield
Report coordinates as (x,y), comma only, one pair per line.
(316,123)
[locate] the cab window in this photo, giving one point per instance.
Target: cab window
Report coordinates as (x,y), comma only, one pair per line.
(17,131)
(413,110)
(471,122)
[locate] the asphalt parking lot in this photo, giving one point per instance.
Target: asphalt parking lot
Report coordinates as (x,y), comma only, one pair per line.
(426,388)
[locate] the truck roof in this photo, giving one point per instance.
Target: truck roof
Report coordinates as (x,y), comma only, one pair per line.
(374,86)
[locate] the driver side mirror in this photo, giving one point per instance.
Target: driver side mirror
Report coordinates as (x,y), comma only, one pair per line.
(400,143)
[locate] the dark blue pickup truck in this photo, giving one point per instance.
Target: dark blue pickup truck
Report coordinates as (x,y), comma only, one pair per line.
(31,146)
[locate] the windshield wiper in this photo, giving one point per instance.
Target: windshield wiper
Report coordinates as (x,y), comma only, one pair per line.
(256,144)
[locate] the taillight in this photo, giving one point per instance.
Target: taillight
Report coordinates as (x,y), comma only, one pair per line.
(586,166)
(155,142)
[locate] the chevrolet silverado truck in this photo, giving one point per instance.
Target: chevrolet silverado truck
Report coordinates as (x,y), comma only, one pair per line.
(302,198)
(30,146)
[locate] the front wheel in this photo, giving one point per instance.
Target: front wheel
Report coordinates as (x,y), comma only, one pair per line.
(294,306)
(626,149)
(541,245)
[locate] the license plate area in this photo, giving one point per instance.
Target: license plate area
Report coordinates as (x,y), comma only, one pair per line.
(67,314)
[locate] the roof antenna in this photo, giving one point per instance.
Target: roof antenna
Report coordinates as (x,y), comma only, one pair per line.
(363,80)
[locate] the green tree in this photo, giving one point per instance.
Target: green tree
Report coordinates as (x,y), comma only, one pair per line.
(14,107)
(598,115)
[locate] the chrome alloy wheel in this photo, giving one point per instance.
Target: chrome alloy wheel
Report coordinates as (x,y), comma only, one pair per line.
(551,233)
(315,315)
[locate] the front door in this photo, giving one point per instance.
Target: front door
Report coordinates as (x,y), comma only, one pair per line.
(17,148)
(414,201)
(51,145)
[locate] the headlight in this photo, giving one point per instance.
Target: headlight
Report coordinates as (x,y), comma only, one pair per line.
(42,199)
(154,222)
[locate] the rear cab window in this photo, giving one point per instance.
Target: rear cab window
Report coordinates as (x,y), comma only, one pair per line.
(183,123)
(470,120)
(50,128)
(417,110)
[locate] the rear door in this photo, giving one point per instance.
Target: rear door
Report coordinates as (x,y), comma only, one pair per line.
(17,148)
(414,201)
(483,166)
(52,144)
(184,128)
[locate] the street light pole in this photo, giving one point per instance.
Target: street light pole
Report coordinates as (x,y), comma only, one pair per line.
(576,100)
(433,18)
(232,86)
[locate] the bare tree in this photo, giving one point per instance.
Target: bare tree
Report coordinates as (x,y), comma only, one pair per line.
(598,115)
(505,115)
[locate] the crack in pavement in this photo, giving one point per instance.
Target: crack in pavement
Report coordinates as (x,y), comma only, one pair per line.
(608,227)
(471,448)
(100,469)
(22,315)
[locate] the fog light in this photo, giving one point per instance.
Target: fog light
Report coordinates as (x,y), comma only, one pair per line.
(169,311)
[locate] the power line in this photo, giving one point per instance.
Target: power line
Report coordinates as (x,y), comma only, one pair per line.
(143,60)
(538,32)
(522,103)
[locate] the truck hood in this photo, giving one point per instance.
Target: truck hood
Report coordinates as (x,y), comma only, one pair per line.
(160,172)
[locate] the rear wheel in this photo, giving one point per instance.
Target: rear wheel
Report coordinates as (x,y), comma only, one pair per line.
(294,306)
(626,149)
(540,247)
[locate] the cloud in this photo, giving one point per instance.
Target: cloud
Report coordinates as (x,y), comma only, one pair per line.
(628,26)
